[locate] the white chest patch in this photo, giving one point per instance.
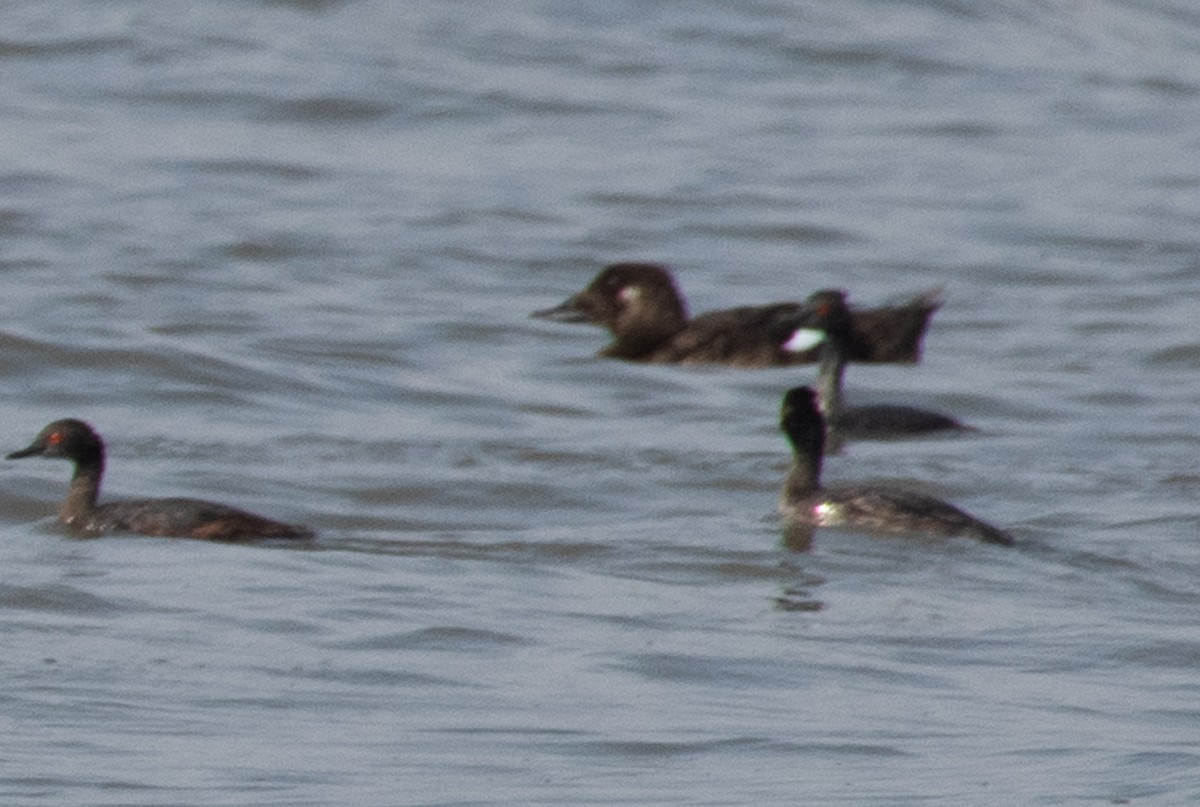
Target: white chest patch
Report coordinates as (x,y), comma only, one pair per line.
(827,514)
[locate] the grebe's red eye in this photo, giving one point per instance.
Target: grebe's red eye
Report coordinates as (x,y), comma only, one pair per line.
(55,438)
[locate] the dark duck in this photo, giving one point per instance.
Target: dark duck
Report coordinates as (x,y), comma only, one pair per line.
(808,505)
(644,311)
(830,326)
(76,441)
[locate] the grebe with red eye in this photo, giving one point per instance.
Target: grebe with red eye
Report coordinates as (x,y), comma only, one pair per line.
(829,327)
(78,442)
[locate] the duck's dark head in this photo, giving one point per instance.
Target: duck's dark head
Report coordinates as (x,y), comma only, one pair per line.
(620,292)
(68,438)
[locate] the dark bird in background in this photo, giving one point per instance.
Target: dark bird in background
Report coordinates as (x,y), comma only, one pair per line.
(830,325)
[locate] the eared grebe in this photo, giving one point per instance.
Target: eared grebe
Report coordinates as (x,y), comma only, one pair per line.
(645,313)
(830,326)
(874,509)
(76,441)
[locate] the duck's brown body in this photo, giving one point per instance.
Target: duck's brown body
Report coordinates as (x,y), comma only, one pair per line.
(642,308)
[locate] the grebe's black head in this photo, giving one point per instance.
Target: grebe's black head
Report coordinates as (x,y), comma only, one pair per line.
(826,321)
(828,311)
(801,420)
(68,438)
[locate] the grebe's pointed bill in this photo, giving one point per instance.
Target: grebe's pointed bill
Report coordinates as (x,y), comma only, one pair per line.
(29,451)
(49,438)
(803,339)
(56,440)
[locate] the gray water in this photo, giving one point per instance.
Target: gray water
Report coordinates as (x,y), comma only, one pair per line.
(282,254)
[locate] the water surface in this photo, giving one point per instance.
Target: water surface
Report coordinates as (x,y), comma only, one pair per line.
(282,254)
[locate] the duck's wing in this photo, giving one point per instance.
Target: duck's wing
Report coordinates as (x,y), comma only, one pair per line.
(892,333)
(750,336)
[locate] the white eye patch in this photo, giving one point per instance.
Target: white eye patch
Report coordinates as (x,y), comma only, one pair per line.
(803,339)
(628,294)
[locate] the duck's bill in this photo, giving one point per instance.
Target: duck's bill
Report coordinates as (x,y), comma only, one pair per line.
(567,312)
